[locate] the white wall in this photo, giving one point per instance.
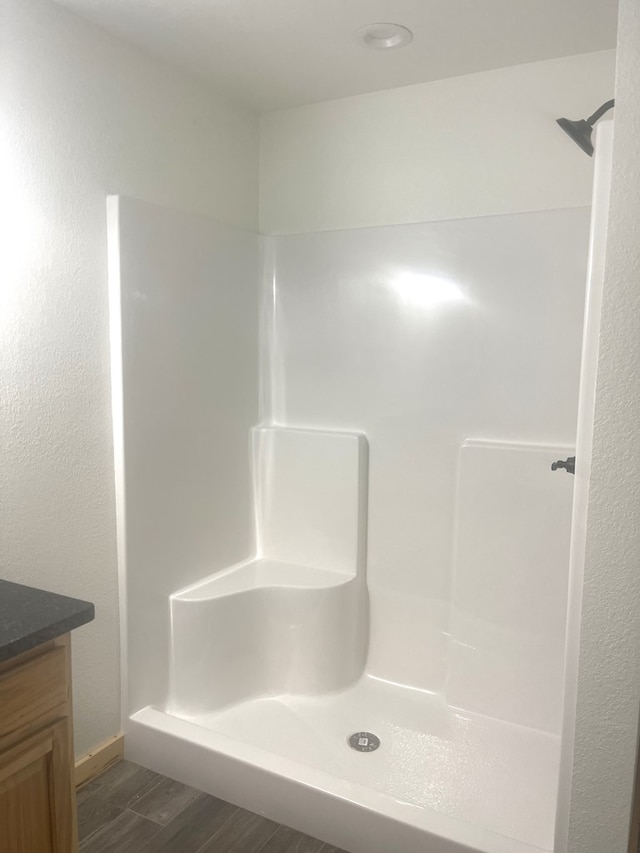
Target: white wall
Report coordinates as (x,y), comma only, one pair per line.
(366,337)
(584,448)
(609,673)
(185,372)
(83,115)
(468,146)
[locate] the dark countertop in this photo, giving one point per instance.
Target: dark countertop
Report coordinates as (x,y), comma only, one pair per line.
(29,617)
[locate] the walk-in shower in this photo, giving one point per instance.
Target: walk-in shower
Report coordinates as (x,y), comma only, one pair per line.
(344,554)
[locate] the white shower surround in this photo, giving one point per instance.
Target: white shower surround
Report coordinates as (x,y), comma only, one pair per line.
(345,348)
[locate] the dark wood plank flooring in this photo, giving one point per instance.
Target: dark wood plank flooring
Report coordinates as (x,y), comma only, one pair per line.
(129,809)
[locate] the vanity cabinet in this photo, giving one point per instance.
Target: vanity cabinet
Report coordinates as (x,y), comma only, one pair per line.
(37,786)
(37,792)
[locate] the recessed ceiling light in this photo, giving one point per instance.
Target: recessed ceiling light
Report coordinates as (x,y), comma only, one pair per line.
(383,36)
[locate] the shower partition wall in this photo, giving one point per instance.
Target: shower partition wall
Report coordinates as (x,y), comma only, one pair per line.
(387,551)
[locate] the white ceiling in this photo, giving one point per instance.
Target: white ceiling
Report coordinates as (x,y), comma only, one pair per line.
(272,54)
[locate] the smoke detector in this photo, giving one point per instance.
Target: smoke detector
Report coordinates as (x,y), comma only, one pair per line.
(383,36)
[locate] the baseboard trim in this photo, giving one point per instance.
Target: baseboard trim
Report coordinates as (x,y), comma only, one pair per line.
(99,759)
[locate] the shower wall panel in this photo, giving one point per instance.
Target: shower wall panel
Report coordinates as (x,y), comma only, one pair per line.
(422,336)
(511,563)
(184,294)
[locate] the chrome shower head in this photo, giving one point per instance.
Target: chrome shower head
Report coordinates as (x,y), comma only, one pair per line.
(581,129)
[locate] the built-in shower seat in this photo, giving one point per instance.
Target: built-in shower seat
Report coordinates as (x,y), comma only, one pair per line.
(261,573)
(294,618)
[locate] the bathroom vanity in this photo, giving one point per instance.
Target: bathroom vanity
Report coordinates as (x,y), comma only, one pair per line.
(37,790)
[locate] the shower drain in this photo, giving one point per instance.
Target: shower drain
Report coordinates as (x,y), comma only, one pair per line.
(364,741)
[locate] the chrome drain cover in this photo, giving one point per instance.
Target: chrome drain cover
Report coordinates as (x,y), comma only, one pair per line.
(364,741)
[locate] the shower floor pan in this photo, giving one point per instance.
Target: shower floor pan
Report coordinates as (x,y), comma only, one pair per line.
(442,780)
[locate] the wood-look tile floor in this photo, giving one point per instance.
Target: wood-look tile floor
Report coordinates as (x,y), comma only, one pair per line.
(129,809)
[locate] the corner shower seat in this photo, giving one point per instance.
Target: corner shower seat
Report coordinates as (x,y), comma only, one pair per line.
(261,573)
(294,619)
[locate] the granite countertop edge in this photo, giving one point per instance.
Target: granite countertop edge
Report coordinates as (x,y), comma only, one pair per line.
(30,617)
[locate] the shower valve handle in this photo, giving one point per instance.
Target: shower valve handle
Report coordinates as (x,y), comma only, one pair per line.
(569,465)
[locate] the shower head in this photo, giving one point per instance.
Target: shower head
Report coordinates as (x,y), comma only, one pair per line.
(580,130)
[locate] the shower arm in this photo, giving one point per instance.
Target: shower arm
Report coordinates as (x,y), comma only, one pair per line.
(608,105)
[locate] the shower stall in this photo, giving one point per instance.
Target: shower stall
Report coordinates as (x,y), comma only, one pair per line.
(350,578)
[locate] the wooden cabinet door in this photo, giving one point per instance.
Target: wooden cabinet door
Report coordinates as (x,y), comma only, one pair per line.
(36,794)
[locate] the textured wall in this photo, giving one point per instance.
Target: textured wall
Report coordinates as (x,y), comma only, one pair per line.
(609,674)
(83,115)
(469,146)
